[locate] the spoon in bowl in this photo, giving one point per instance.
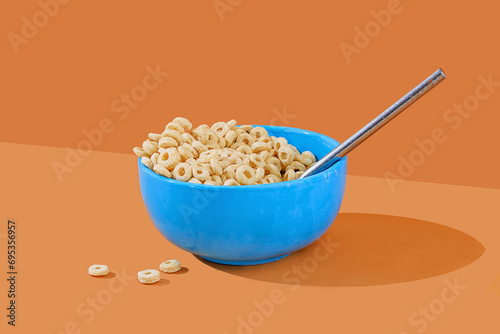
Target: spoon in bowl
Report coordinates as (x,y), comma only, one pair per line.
(350,144)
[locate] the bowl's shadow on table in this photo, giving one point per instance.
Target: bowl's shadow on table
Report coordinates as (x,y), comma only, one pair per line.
(369,249)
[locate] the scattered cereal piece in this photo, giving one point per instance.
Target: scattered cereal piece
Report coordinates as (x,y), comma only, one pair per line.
(148,276)
(98,270)
(170,266)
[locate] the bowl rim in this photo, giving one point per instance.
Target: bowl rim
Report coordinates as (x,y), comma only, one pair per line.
(285,184)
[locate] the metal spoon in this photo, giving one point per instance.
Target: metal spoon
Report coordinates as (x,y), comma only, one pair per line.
(350,144)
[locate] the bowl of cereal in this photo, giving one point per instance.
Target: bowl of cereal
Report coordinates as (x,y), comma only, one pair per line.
(234,197)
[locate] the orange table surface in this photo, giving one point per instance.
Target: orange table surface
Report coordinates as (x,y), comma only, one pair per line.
(422,258)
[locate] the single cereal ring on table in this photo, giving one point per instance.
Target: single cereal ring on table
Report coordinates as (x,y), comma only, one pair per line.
(182,172)
(148,276)
(98,270)
(170,266)
(184,122)
(245,175)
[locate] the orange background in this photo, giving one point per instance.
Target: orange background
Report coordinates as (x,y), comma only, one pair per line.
(263,55)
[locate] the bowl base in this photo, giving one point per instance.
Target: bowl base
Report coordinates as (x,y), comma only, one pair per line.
(246,263)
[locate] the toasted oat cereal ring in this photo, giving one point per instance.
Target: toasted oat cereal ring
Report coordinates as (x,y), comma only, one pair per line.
(239,131)
(231,171)
(274,161)
(98,270)
(231,182)
(264,155)
(286,155)
(187,138)
(246,139)
(160,169)
(220,128)
(279,143)
(154,158)
(210,183)
(140,152)
(294,149)
(296,166)
(185,153)
(212,136)
(217,179)
(310,155)
(244,149)
(246,128)
(216,166)
(256,160)
(259,146)
(147,162)
(154,136)
(148,276)
(167,142)
(231,123)
(245,175)
(191,149)
(221,141)
(289,175)
(271,169)
(150,146)
(205,156)
(298,174)
(212,145)
(173,134)
(170,266)
(230,137)
(169,158)
(194,180)
(259,174)
(175,126)
(271,178)
(185,123)
(198,146)
(266,140)
(200,135)
(263,181)
(201,173)
(182,172)
(259,132)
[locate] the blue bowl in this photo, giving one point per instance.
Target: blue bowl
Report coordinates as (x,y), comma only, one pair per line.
(245,225)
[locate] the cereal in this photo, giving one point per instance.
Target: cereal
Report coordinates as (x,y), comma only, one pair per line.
(245,175)
(147,162)
(223,154)
(182,172)
(148,276)
(98,270)
(170,266)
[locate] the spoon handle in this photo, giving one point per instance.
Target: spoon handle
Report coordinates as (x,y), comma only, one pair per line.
(340,151)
